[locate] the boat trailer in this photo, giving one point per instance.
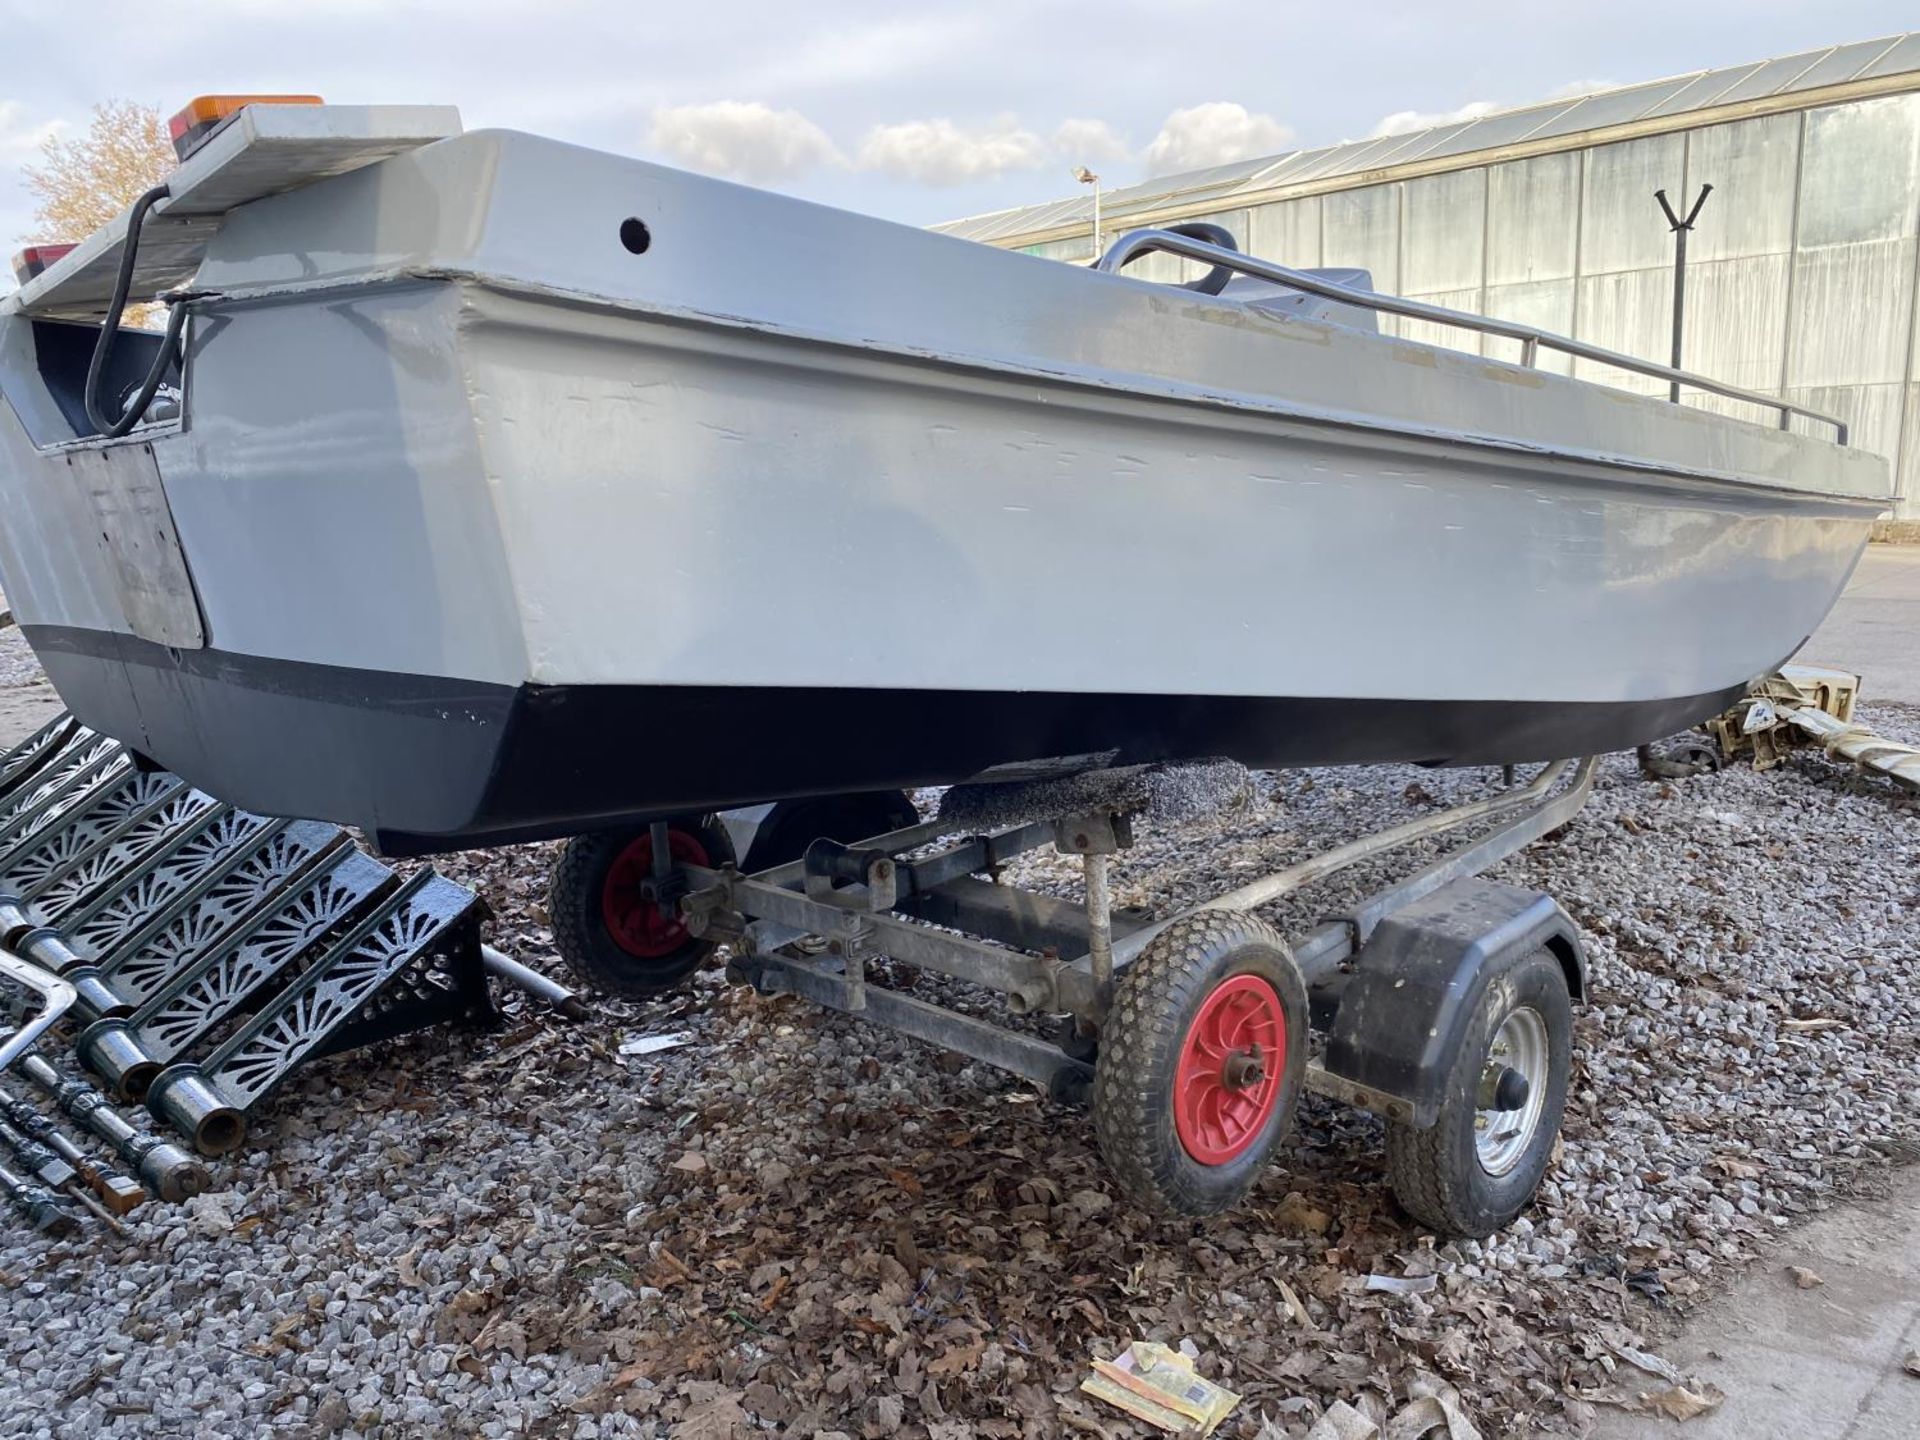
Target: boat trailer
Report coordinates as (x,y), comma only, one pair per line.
(1444,999)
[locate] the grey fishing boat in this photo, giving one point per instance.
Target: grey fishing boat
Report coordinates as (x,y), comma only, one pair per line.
(520,490)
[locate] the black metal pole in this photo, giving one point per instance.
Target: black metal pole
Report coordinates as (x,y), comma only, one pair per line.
(1680,230)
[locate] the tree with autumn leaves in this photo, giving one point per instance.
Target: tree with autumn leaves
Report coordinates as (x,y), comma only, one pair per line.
(84,182)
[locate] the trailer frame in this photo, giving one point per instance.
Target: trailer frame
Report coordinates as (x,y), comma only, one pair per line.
(905,896)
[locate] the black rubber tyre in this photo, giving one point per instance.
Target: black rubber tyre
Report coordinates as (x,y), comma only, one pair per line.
(1698,753)
(1075,1043)
(795,824)
(578,904)
(1157,1002)
(1436,1173)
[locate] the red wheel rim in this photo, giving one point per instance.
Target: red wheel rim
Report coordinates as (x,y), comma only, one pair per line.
(1227,1084)
(634,921)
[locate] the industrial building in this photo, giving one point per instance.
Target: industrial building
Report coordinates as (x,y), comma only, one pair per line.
(1801,279)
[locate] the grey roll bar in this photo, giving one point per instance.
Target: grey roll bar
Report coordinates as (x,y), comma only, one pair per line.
(1139,242)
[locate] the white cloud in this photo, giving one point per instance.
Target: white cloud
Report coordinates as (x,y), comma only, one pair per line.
(1213,134)
(1095,141)
(938,152)
(1405,122)
(19,140)
(743,140)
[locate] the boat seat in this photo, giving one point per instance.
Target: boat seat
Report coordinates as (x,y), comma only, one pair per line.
(1284,300)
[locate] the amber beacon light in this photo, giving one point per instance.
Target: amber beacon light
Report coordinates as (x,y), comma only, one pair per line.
(205,114)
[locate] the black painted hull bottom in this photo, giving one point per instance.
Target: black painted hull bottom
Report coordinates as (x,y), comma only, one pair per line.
(425,764)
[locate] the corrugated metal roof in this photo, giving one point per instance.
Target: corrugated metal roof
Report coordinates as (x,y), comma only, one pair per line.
(1664,100)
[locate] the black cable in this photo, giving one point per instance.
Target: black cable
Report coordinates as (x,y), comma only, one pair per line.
(1215,280)
(110,329)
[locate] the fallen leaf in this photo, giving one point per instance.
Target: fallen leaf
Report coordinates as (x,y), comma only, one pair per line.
(1432,1415)
(720,1418)
(1681,1403)
(963,1357)
(209,1213)
(1295,1213)
(500,1333)
(1040,1190)
(1343,1422)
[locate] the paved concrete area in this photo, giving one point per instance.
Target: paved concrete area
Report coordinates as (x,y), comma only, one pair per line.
(1824,1363)
(1875,630)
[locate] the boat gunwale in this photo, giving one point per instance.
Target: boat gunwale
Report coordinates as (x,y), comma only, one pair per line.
(1137,386)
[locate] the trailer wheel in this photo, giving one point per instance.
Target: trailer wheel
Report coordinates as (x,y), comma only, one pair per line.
(608,932)
(795,824)
(1476,1167)
(1201,1060)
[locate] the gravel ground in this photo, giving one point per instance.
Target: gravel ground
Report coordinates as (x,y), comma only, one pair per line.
(17,663)
(27,701)
(797,1221)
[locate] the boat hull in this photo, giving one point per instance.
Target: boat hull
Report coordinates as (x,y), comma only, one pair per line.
(428,764)
(479,540)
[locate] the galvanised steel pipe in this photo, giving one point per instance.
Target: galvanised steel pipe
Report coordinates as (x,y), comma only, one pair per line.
(56,996)
(543,988)
(1318,867)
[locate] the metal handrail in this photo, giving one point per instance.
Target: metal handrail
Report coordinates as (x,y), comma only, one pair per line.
(1531,337)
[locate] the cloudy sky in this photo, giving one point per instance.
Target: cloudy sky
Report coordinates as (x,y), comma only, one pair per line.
(918,112)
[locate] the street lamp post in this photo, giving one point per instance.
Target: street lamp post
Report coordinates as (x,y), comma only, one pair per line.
(1087,177)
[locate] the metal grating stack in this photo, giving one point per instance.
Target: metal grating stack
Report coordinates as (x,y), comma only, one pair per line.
(212,951)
